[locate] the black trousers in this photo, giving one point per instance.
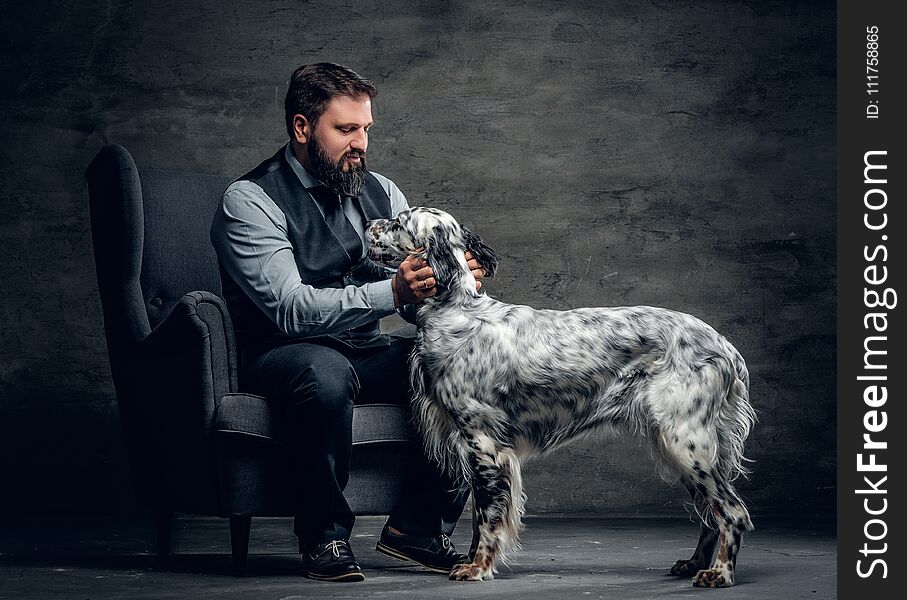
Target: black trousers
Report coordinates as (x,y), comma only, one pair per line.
(316,386)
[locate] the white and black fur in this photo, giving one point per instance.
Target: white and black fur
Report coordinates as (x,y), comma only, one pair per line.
(495,383)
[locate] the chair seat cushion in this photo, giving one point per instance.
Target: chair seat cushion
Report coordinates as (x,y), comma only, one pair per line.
(250,416)
(246,415)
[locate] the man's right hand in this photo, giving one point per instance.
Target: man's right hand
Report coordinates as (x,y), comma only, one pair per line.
(413,282)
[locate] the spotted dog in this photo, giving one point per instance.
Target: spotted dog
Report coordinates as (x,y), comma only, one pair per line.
(496,383)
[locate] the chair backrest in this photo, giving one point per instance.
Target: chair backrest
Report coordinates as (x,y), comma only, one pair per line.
(178,256)
(151,245)
(150,234)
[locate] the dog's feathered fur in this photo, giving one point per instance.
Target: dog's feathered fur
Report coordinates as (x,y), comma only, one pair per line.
(495,383)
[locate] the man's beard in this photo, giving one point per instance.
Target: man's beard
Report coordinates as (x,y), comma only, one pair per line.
(345,183)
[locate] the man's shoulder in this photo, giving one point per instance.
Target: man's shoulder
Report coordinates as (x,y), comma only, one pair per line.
(264,168)
(381,178)
(243,188)
(251,185)
(389,186)
(247,197)
(397,198)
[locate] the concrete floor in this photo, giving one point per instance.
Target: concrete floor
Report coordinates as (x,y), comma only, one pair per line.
(562,557)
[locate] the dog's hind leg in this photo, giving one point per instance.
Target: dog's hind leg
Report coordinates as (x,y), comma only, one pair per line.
(497,508)
(704,420)
(692,450)
(732,519)
(708,538)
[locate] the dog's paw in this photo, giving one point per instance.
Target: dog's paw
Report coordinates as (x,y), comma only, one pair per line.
(685,568)
(470,572)
(713,578)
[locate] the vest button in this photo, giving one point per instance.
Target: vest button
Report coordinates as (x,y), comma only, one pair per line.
(156,302)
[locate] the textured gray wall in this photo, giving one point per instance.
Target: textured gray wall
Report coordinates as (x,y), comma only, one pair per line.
(678,154)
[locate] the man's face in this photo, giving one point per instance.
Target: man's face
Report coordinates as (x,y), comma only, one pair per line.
(336,148)
(342,130)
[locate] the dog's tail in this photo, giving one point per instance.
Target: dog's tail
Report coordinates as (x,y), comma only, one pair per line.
(736,416)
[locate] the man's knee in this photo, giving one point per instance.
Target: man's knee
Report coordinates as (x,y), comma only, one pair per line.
(327,383)
(306,376)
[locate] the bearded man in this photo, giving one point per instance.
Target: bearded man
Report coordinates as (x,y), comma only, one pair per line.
(305,302)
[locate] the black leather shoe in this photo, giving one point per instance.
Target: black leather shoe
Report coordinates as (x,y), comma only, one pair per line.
(434,553)
(332,561)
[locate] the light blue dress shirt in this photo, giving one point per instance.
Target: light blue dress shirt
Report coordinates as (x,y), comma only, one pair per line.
(249,234)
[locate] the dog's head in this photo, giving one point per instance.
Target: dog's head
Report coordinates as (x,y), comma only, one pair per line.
(431,234)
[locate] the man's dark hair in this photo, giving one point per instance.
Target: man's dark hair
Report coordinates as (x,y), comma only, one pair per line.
(313,86)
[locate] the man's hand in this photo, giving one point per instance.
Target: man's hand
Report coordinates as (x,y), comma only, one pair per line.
(475,268)
(415,280)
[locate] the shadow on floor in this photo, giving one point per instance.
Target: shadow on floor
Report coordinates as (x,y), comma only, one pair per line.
(561,557)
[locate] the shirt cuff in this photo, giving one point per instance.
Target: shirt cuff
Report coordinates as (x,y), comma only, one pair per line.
(381,297)
(408,312)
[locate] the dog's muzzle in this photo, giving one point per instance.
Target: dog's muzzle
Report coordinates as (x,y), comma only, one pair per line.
(378,250)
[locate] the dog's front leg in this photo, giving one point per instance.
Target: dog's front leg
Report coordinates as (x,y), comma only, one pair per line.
(485,536)
(497,508)
(475,534)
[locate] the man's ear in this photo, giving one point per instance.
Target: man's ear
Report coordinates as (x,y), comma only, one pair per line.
(302,129)
(482,253)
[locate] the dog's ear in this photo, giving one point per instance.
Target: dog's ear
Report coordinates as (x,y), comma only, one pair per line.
(441,259)
(482,253)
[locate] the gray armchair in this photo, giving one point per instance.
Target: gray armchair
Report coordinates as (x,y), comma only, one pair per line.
(196,443)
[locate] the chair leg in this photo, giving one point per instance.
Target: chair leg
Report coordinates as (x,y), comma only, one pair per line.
(240,526)
(164,528)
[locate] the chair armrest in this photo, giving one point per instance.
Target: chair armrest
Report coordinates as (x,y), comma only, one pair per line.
(382,424)
(181,368)
(199,321)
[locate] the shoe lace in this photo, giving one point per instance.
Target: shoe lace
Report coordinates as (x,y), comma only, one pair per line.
(335,547)
(445,541)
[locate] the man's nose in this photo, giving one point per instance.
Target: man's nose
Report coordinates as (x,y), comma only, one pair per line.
(360,140)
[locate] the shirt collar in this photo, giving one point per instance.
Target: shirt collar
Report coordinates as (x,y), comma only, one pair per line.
(308,180)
